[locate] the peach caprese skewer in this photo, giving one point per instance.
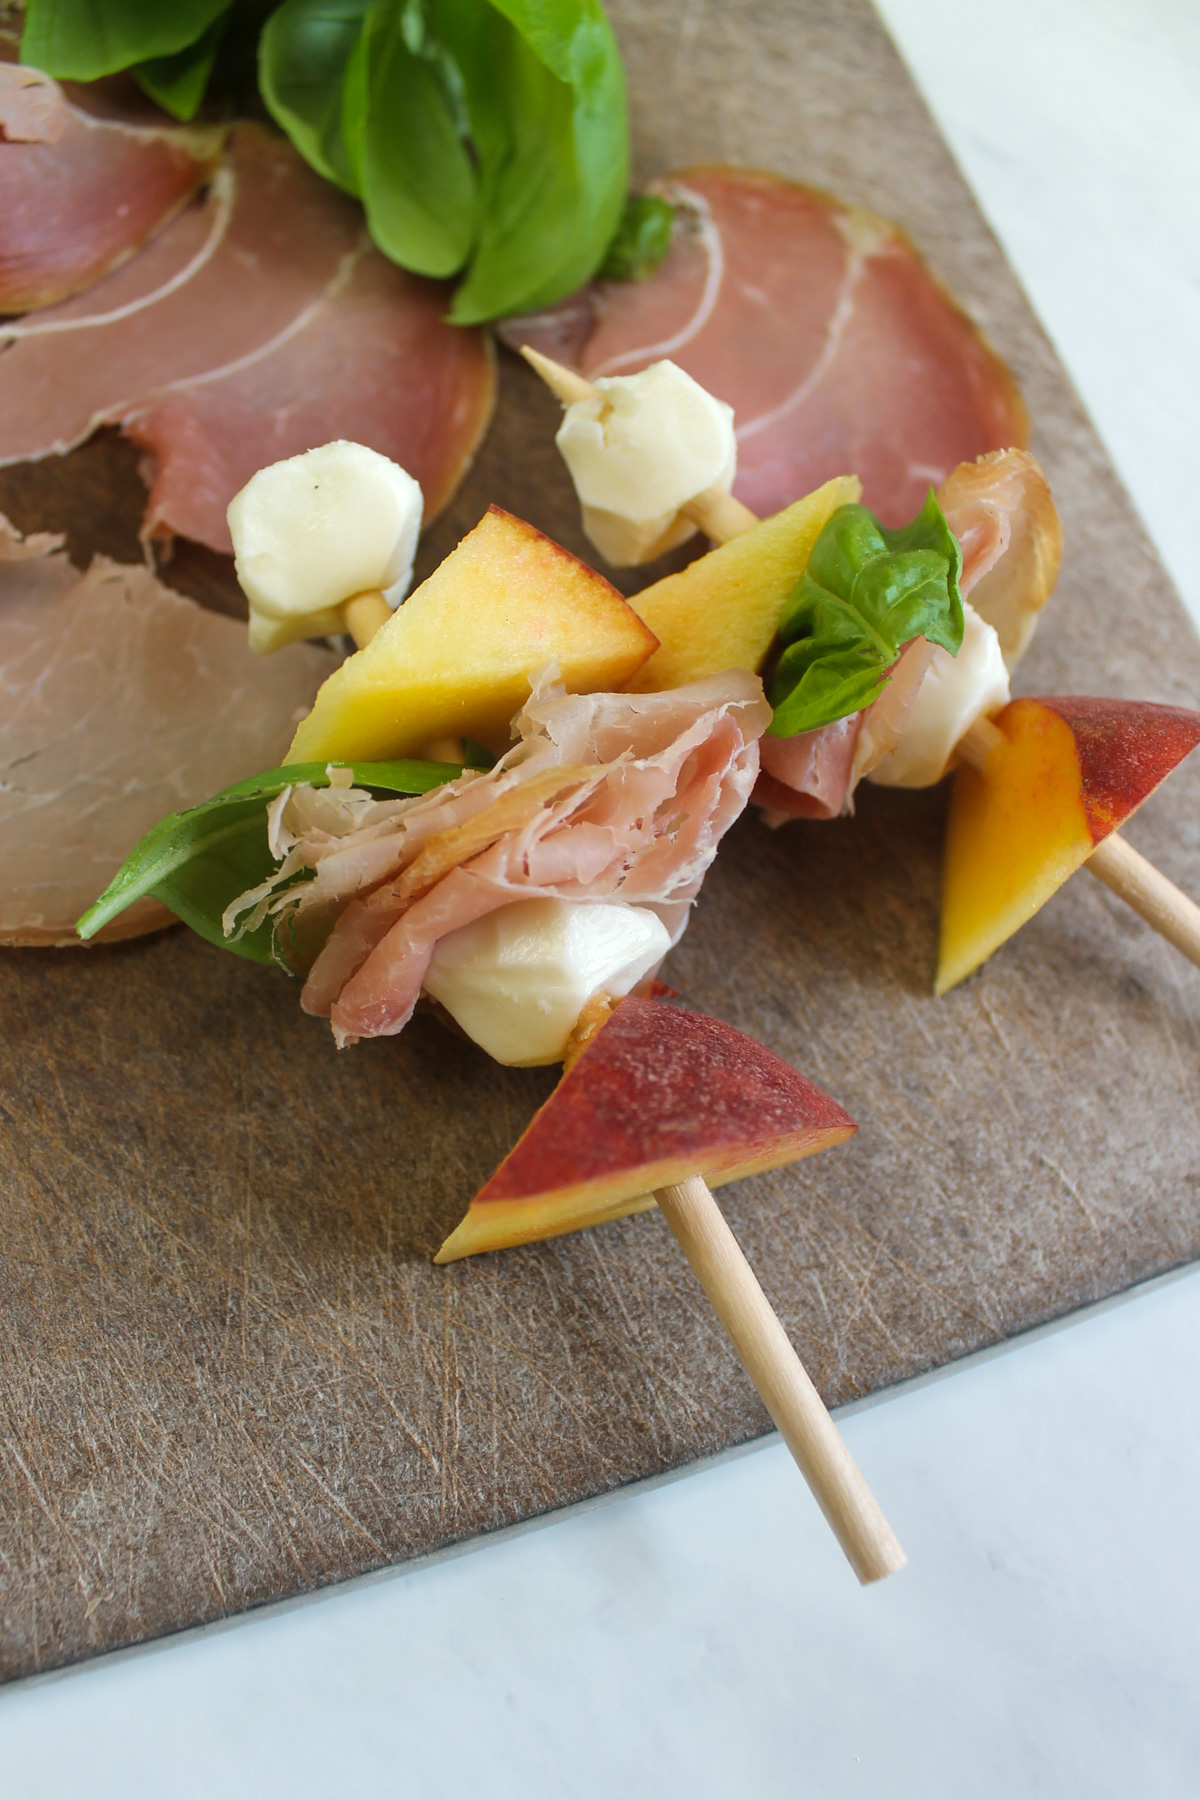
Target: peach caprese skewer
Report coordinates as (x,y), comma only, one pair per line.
(1042,785)
(524,901)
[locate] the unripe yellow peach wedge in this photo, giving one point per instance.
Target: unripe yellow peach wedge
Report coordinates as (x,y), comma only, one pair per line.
(657,1095)
(456,659)
(1065,773)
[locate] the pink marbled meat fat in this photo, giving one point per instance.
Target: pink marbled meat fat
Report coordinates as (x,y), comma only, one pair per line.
(284,240)
(374,362)
(79,194)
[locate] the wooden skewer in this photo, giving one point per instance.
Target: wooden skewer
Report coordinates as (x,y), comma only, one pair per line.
(714,1253)
(1117,864)
(719,515)
(1113,862)
(364,614)
(565,384)
(1136,881)
(780,1378)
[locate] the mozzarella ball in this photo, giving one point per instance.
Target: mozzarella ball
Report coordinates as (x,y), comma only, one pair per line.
(640,451)
(517,979)
(311,532)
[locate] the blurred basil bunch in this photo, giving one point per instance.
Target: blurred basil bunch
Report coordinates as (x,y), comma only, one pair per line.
(487,139)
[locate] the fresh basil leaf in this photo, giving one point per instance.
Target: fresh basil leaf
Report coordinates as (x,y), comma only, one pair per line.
(197,862)
(416,177)
(865,593)
(642,239)
(81,40)
(303,55)
(178,82)
(549,123)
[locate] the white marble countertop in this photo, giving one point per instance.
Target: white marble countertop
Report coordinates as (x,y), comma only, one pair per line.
(706,1638)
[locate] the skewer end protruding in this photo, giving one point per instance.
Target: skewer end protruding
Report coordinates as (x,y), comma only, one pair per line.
(719,515)
(565,384)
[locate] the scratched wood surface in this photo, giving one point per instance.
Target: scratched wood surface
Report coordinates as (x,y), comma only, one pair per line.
(228,1369)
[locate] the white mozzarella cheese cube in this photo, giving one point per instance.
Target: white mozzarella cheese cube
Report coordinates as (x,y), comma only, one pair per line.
(639,452)
(956,691)
(518,979)
(314,530)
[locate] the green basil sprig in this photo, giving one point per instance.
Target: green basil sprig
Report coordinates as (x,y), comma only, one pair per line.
(197,862)
(865,593)
(177,82)
(81,40)
(487,139)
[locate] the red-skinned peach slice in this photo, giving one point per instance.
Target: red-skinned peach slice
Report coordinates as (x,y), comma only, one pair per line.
(1068,772)
(657,1095)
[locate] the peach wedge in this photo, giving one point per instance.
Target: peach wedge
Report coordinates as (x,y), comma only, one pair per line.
(657,1095)
(456,659)
(1068,772)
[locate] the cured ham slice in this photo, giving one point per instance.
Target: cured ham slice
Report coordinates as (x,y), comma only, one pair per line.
(374,362)
(1001,511)
(819,324)
(120,702)
(254,327)
(606,797)
(814,774)
(284,239)
(79,194)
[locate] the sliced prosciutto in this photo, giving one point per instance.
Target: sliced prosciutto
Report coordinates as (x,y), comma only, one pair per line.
(1002,513)
(375,362)
(79,194)
(275,245)
(119,702)
(257,325)
(611,797)
(814,774)
(819,324)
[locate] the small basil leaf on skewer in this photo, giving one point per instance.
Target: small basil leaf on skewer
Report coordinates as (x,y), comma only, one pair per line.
(197,862)
(866,592)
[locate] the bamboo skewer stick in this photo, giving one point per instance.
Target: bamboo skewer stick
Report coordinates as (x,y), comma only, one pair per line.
(1117,864)
(719,515)
(565,384)
(780,1378)
(701,1229)
(364,614)
(1164,906)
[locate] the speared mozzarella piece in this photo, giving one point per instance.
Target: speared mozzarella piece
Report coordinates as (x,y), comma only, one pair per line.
(956,691)
(638,453)
(518,979)
(314,531)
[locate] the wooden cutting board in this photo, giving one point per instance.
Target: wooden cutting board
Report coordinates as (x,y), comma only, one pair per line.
(229,1371)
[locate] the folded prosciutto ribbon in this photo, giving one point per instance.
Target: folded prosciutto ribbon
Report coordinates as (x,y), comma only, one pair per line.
(606,797)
